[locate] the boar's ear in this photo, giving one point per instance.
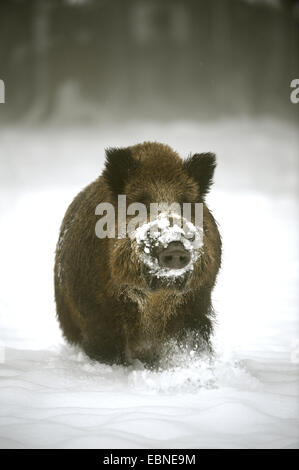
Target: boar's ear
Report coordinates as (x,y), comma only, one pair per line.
(118,167)
(201,167)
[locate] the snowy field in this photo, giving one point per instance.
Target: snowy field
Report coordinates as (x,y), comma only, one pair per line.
(247,396)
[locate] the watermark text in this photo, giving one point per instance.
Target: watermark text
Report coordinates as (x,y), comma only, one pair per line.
(294,97)
(128,219)
(2,92)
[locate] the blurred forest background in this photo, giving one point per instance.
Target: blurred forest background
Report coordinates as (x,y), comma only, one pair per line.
(87,60)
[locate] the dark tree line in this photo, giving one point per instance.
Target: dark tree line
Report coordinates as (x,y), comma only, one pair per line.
(147,58)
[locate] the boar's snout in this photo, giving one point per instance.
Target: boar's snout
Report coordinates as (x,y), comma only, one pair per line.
(175,256)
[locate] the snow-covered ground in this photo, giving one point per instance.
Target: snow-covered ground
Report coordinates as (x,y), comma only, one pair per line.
(51,395)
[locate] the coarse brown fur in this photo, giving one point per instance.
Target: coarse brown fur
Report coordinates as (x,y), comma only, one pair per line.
(105,301)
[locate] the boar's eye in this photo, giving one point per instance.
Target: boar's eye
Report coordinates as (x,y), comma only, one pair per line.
(143,198)
(201,167)
(119,166)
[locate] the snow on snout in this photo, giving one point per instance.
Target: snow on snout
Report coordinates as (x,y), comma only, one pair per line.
(159,233)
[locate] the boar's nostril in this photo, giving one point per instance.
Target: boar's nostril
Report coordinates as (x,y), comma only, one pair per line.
(174,257)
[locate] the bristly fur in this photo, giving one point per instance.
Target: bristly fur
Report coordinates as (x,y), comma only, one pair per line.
(201,167)
(119,166)
(107,303)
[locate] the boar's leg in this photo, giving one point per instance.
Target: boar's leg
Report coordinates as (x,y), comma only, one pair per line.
(71,331)
(98,346)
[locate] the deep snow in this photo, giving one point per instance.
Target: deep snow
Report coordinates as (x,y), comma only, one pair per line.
(51,395)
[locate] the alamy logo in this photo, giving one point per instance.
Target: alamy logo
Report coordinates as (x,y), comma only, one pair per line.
(295,93)
(130,219)
(2,92)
